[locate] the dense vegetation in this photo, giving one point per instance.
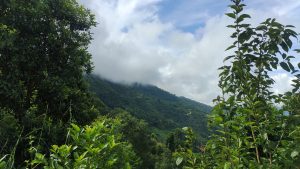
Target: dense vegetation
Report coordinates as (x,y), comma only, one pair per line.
(163,111)
(50,119)
(254,127)
(43,59)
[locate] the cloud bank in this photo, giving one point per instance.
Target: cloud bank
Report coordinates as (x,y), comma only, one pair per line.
(172,45)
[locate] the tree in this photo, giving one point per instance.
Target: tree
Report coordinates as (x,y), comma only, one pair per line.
(251,131)
(44,52)
(152,153)
(176,140)
(185,158)
(43,58)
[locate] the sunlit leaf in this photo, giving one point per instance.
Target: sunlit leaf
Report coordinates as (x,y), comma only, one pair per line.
(179,161)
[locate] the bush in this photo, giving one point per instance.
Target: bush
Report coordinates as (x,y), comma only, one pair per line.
(97,145)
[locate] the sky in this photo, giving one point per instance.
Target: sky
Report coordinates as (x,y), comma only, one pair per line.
(176,45)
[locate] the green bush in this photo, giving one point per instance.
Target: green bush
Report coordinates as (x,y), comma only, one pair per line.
(94,146)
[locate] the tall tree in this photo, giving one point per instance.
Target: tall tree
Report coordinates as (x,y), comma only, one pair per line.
(44,53)
(43,58)
(251,131)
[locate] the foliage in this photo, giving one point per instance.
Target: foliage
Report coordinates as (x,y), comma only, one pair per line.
(43,57)
(292,104)
(43,50)
(146,146)
(251,131)
(163,111)
(184,156)
(43,91)
(97,145)
(183,138)
(9,131)
(176,140)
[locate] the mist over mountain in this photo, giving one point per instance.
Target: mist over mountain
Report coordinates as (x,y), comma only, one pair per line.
(162,110)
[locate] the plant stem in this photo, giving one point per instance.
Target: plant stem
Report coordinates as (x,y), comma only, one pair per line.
(256,148)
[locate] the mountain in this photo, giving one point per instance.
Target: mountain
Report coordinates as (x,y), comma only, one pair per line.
(162,110)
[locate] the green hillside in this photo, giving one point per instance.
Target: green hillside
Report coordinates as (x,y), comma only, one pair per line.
(162,110)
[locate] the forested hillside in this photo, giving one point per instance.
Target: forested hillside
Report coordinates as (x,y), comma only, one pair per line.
(163,111)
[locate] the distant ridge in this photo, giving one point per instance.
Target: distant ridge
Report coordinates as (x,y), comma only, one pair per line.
(162,110)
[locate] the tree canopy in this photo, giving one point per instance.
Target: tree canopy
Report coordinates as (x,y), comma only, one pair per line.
(44,55)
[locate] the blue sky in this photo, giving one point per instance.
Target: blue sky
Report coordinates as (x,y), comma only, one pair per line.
(177,45)
(190,15)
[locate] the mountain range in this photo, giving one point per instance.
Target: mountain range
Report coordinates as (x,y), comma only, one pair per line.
(163,111)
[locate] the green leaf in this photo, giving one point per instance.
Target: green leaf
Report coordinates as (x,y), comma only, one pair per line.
(262,27)
(289,26)
(285,66)
(245,16)
(265,135)
(231,26)
(218,119)
(284,46)
(228,57)
(231,15)
(179,161)
(230,47)
(227,165)
(75,127)
(185,128)
(291,32)
(2,164)
(296,88)
(267,21)
(289,42)
(283,56)
(294,154)
(245,25)
(291,66)
(290,57)
(234,7)
(242,17)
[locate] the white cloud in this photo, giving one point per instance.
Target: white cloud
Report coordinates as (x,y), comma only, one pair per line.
(283,83)
(132,44)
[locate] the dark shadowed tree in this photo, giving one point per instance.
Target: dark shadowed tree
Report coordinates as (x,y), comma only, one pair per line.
(43,52)
(43,58)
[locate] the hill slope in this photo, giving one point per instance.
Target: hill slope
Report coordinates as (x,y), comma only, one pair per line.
(163,111)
